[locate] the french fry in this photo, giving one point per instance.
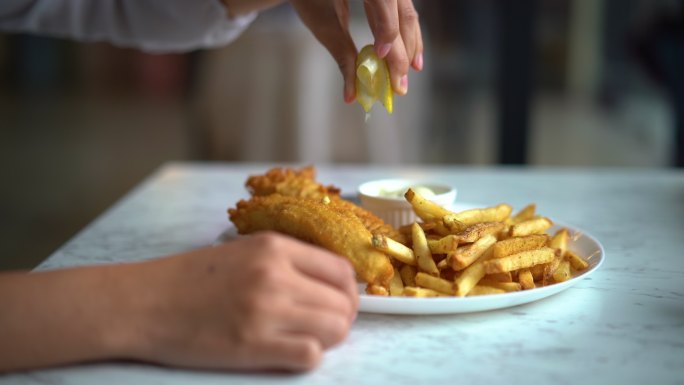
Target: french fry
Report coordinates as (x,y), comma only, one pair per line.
(525,279)
(537,272)
(394,249)
(526,213)
(413,291)
(577,262)
(437,284)
(559,241)
(476,252)
(405,230)
(474,232)
(422,251)
(520,260)
(441,229)
(377,290)
(443,245)
(500,277)
(516,245)
(466,255)
(453,225)
(505,286)
(484,290)
(427,210)
(408,275)
(396,285)
(531,226)
(551,267)
(562,273)
(497,213)
(506,232)
(470,276)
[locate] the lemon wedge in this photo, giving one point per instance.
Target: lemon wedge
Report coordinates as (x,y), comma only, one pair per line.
(372,80)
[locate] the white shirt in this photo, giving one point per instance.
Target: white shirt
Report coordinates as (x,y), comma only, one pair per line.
(150,25)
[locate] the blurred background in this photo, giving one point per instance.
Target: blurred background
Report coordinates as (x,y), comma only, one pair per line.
(540,83)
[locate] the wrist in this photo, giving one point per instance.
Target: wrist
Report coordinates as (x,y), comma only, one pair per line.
(125,317)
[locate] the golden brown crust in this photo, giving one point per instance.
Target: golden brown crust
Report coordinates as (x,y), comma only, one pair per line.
(302,184)
(316,222)
(290,182)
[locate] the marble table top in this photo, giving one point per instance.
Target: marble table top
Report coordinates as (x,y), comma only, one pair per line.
(622,325)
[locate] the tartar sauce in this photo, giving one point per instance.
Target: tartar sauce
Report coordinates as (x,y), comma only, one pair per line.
(399,193)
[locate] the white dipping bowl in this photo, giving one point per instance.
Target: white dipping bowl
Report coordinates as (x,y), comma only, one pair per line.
(395,210)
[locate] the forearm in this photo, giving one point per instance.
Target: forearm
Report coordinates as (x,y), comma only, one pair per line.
(151,25)
(237,8)
(58,317)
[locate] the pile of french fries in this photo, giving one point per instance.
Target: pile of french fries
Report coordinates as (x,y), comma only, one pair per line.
(475,252)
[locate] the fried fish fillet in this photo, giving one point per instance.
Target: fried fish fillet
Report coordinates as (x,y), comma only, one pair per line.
(290,182)
(318,223)
(302,184)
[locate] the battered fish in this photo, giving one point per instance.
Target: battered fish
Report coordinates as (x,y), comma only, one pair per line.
(318,223)
(290,182)
(302,184)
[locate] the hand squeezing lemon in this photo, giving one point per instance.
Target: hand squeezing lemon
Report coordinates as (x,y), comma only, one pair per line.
(372,80)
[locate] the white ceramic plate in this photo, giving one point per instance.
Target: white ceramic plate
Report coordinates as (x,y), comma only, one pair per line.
(581,242)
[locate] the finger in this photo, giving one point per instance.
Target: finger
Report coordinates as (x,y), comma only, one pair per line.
(383,19)
(329,24)
(326,267)
(313,294)
(408,25)
(295,352)
(398,64)
(347,63)
(328,328)
(417,62)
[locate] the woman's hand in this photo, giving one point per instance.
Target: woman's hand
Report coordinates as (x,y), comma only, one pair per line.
(394,24)
(263,302)
(260,302)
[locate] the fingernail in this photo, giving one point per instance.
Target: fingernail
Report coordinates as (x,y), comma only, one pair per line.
(382,50)
(348,95)
(403,84)
(418,62)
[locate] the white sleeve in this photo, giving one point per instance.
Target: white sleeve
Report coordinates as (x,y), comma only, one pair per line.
(150,25)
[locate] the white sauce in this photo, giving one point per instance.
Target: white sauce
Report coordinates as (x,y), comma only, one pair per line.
(399,193)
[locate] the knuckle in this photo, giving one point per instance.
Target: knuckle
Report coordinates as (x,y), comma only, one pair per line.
(266,275)
(401,65)
(270,249)
(409,14)
(391,33)
(269,240)
(387,30)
